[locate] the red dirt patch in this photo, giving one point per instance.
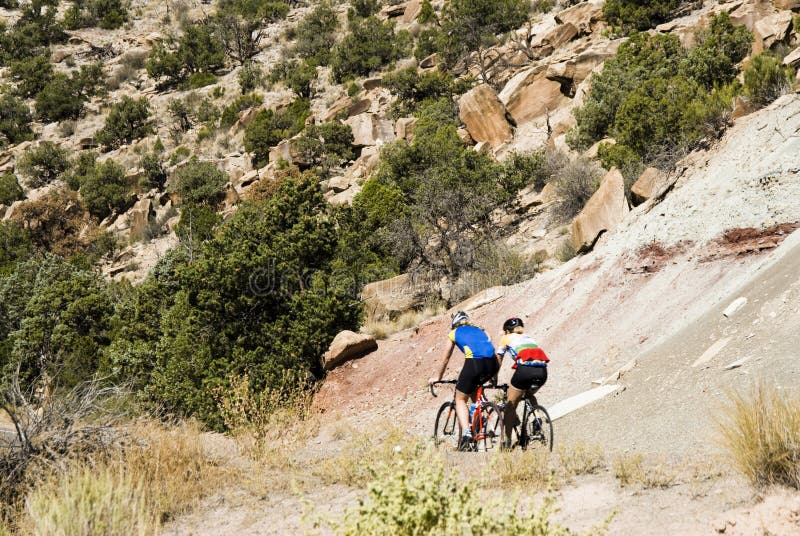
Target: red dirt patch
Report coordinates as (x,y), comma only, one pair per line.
(652,257)
(748,240)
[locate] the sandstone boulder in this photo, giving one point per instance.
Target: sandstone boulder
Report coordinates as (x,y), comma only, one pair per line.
(369,129)
(139,218)
(404,128)
(338,107)
(583,15)
(392,11)
(285,150)
(412,11)
(348,345)
(429,62)
(770,30)
(648,185)
(544,45)
(793,5)
(604,211)
(372,83)
(793,58)
(390,297)
(338,184)
(484,116)
(529,95)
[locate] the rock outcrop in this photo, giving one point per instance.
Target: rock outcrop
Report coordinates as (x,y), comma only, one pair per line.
(529,95)
(647,185)
(604,211)
(348,345)
(484,116)
(369,129)
(390,297)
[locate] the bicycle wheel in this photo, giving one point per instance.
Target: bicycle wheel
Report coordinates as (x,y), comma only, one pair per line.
(488,429)
(446,430)
(537,429)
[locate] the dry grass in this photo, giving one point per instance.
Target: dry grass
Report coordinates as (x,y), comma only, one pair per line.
(580,459)
(380,329)
(630,470)
(353,464)
(88,501)
(761,433)
(528,468)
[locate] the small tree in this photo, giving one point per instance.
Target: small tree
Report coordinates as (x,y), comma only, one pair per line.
(269,127)
(108,14)
(64,96)
(200,183)
(15,121)
(316,34)
(371,44)
(10,190)
(43,164)
(327,146)
(197,51)
(31,75)
(240,25)
(104,189)
(128,120)
(766,79)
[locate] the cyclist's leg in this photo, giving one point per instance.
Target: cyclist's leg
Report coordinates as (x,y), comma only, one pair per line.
(465,387)
(514,395)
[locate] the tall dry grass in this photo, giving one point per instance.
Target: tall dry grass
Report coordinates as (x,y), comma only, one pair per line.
(91,501)
(760,432)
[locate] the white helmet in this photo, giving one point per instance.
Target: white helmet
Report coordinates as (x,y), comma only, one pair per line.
(459,319)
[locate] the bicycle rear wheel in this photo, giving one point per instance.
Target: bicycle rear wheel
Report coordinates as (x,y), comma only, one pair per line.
(447,430)
(537,429)
(488,430)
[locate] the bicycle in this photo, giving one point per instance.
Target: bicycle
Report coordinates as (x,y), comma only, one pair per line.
(486,421)
(535,426)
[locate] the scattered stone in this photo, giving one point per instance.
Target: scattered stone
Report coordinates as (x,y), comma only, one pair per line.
(737,304)
(711,352)
(603,212)
(738,363)
(484,116)
(372,83)
(57,56)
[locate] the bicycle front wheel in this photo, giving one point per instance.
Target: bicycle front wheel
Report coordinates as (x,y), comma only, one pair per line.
(537,429)
(488,429)
(447,430)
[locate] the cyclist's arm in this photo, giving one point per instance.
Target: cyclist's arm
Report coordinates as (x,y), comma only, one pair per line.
(445,360)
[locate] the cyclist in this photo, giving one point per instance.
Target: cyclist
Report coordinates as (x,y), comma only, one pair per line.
(530,368)
(480,365)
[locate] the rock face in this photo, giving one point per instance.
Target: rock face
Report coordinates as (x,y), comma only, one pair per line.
(604,211)
(647,185)
(583,15)
(529,95)
(485,116)
(139,218)
(771,30)
(551,41)
(348,345)
(369,129)
(390,297)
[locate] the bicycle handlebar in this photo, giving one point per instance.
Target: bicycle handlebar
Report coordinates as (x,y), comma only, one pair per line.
(440,381)
(502,386)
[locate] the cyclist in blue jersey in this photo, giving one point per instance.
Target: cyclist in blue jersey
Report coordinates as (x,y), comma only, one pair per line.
(480,365)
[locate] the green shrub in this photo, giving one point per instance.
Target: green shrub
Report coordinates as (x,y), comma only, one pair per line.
(197,51)
(250,77)
(362,9)
(370,44)
(412,88)
(108,14)
(10,190)
(719,48)
(31,75)
(199,183)
(766,79)
(467,25)
(127,121)
(269,127)
(198,80)
(297,75)
(316,34)
(327,146)
(15,121)
(522,169)
(43,164)
(197,224)
(656,98)
(104,189)
(230,114)
(419,497)
(155,176)
(64,96)
(628,15)
(239,25)
(15,245)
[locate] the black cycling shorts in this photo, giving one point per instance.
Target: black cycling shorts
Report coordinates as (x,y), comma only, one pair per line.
(525,378)
(476,372)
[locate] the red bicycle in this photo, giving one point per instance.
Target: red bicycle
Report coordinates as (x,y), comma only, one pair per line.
(486,422)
